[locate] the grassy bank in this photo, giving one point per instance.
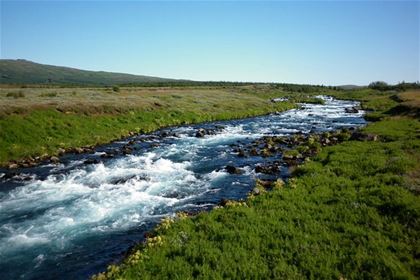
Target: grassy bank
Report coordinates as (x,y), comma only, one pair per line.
(37,121)
(353,212)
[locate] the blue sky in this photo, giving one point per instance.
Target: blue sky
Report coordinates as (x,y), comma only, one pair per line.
(325,42)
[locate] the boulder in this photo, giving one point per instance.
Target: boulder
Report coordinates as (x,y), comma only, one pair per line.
(267,169)
(10,175)
(266,153)
(288,156)
(264,183)
(54,159)
(352,110)
(78,150)
(253,152)
(241,153)
(279,183)
(44,156)
(200,133)
(91,161)
(233,170)
(126,150)
(360,136)
(371,137)
(13,166)
(224,202)
(117,181)
(107,155)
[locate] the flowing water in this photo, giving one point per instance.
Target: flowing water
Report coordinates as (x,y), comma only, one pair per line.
(70,220)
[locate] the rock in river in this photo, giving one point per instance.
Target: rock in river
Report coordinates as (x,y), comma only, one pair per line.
(91,161)
(352,110)
(54,159)
(233,170)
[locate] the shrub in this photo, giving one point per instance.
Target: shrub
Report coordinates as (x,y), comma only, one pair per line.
(379,85)
(49,94)
(18,94)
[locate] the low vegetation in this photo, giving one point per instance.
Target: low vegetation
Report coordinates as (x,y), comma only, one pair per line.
(16,94)
(50,119)
(352,212)
(403,86)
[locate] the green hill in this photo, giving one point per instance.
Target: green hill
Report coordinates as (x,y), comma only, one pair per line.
(22,71)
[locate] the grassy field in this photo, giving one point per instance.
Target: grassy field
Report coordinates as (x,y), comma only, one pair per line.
(352,212)
(40,121)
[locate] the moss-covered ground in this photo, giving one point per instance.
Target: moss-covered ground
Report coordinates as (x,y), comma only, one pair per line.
(352,212)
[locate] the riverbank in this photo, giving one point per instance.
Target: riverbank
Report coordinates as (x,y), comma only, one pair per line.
(89,209)
(351,212)
(37,123)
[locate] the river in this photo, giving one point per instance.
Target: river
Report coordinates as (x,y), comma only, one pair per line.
(69,220)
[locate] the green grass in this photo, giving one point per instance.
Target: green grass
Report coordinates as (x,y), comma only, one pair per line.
(15,95)
(353,212)
(49,120)
(376,103)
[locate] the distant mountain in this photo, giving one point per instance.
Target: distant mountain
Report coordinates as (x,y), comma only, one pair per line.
(22,71)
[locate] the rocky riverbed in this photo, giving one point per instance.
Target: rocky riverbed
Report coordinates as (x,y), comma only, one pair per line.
(72,215)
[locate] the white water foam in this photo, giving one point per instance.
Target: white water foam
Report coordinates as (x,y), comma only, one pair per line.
(124,193)
(90,199)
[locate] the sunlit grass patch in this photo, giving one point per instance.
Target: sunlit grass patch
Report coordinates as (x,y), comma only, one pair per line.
(351,212)
(48,119)
(349,215)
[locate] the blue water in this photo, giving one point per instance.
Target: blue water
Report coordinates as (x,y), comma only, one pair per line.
(68,221)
